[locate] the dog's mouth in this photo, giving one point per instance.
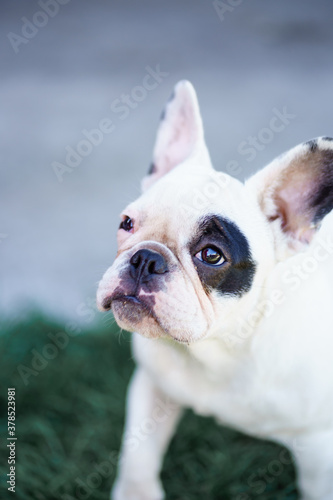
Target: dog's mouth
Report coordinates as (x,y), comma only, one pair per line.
(108,301)
(135,313)
(130,309)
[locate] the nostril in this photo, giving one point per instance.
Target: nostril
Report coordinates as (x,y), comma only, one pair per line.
(106,304)
(151,267)
(136,260)
(159,265)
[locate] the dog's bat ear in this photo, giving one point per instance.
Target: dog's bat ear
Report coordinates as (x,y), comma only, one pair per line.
(295,192)
(179,135)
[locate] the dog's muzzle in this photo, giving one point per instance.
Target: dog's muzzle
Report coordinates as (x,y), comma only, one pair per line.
(144,264)
(144,268)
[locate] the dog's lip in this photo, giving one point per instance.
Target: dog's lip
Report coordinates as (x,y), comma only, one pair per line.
(134,299)
(129,298)
(121,297)
(107,302)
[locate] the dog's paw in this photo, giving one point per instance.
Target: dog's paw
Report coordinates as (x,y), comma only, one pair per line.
(133,490)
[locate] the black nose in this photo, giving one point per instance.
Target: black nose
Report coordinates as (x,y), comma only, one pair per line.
(146,263)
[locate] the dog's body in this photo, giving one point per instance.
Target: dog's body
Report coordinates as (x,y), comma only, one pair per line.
(230,286)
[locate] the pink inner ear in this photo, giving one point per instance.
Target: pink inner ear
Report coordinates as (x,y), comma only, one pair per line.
(295,193)
(177,137)
(292,199)
(179,142)
(180,133)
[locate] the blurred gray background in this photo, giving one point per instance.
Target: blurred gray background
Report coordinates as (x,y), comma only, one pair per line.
(62,77)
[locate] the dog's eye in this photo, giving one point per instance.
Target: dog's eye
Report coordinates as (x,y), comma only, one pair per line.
(211,255)
(126,224)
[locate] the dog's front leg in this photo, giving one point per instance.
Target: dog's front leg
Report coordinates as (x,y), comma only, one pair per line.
(151,420)
(314,459)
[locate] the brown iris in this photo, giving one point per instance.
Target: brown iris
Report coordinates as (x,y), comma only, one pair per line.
(211,256)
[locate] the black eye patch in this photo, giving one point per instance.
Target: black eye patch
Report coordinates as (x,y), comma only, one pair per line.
(235,276)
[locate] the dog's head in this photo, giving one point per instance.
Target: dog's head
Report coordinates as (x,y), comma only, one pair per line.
(195,249)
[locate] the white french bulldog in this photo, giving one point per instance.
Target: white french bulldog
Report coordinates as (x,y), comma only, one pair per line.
(230,287)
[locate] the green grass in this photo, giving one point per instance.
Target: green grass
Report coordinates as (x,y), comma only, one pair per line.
(70,415)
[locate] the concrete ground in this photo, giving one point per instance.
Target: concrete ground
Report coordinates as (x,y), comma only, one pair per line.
(64,76)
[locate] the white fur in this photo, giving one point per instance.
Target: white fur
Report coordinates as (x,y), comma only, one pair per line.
(261,363)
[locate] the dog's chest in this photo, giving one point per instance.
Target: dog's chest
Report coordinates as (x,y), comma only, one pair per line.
(213,385)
